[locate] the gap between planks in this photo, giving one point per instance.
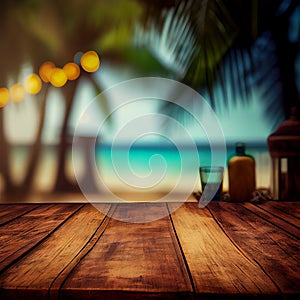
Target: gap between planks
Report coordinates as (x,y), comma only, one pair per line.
(58,282)
(29,245)
(217,264)
(275,219)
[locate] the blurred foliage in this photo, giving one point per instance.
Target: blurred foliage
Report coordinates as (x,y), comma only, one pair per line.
(226,35)
(234,44)
(35,31)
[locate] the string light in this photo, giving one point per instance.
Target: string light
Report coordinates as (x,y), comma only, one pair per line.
(58,77)
(4,97)
(90,61)
(17,92)
(45,70)
(49,73)
(33,84)
(72,70)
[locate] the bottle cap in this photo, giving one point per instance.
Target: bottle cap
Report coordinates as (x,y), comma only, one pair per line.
(240,148)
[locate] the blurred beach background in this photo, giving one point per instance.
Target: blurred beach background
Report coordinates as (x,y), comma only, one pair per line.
(242,57)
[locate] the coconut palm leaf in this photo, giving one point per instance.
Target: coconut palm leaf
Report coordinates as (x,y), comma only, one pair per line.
(191,40)
(224,33)
(169,38)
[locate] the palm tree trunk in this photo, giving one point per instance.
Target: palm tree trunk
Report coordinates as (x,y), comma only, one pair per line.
(4,155)
(62,183)
(36,148)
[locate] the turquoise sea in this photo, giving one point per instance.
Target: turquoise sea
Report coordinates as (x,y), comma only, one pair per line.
(158,168)
(140,168)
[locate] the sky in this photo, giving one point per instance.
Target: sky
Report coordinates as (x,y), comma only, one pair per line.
(239,122)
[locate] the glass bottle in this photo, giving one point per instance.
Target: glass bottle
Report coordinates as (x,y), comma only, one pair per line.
(241,175)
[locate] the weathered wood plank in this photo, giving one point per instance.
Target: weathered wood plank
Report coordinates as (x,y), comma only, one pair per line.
(281,222)
(275,250)
(129,260)
(33,275)
(59,280)
(132,260)
(217,266)
(9,212)
(291,208)
(288,211)
(24,233)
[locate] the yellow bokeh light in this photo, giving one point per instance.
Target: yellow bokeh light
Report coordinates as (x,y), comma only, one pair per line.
(58,77)
(4,97)
(46,70)
(17,92)
(33,84)
(90,61)
(72,70)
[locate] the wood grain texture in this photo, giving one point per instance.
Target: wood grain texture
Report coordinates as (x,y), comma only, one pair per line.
(132,260)
(59,280)
(283,222)
(9,212)
(22,234)
(288,211)
(225,251)
(217,266)
(275,251)
(32,276)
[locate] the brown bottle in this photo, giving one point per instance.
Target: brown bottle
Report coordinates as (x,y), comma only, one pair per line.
(241,173)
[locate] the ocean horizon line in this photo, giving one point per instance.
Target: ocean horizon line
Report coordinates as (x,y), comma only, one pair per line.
(155,144)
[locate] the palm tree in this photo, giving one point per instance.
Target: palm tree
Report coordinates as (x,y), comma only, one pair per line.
(249,37)
(52,30)
(77,31)
(192,39)
(12,57)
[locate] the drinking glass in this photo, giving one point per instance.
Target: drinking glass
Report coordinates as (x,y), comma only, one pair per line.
(211,178)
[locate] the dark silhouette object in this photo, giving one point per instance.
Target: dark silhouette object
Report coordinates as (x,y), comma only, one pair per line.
(284,144)
(88,181)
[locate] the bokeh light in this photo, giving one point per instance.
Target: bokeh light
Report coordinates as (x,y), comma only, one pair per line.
(33,84)
(46,70)
(17,92)
(90,61)
(72,70)
(4,97)
(58,77)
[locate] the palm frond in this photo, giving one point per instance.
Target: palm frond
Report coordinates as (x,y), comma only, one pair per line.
(266,78)
(215,32)
(169,38)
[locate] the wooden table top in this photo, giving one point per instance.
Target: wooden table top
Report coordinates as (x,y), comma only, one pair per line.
(75,251)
